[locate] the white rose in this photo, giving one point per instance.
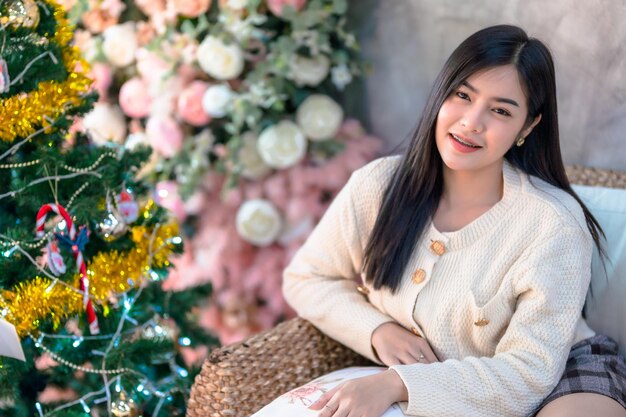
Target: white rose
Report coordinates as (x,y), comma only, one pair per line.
(135,139)
(105,123)
(220,61)
(236,4)
(250,160)
(282,145)
(319,117)
(120,44)
(217,100)
(309,71)
(258,222)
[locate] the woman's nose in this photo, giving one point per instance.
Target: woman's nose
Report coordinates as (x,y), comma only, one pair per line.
(472,121)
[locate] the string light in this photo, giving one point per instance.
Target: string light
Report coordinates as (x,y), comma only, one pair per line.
(85,406)
(39,410)
(182,372)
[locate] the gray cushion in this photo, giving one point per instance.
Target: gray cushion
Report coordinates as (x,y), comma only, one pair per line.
(606,300)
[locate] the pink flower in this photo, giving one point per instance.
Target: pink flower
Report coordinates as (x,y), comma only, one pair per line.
(253,191)
(276,6)
(167,197)
(145,33)
(102,78)
(351,129)
(191,8)
(151,67)
(194,356)
(134,98)
(165,135)
(276,189)
(298,209)
(151,7)
(190,104)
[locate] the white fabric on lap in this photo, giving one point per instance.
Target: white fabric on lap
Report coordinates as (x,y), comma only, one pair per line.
(295,403)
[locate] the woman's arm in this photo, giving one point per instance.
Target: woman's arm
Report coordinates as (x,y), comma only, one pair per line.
(551,284)
(319,283)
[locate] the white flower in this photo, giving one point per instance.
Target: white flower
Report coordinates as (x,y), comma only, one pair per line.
(105,123)
(282,145)
(258,222)
(309,71)
(341,76)
(249,158)
(135,139)
(319,117)
(236,4)
(217,100)
(165,93)
(220,61)
(120,44)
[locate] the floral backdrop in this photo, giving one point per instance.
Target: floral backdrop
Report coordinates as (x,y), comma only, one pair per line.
(239,100)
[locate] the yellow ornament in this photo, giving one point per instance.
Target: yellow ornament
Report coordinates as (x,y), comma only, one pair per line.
(124,407)
(109,273)
(21,13)
(24,114)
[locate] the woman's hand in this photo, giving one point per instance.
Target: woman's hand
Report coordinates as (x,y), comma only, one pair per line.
(395,345)
(368,396)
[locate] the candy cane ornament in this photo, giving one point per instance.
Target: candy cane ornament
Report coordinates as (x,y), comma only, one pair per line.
(76,242)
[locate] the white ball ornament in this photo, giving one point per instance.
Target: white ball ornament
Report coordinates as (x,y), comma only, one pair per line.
(219,60)
(282,145)
(217,100)
(258,222)
(104,123)
(319,117)
(253,166)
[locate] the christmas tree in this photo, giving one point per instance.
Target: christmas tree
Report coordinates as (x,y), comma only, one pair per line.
(82,246)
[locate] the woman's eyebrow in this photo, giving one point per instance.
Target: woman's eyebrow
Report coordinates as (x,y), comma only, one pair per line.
(498,99)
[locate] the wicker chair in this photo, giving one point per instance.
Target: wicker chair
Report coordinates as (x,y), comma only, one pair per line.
(238,380)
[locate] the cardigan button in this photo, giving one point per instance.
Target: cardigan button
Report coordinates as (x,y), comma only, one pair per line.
(418,276)
(363,290)
(481,322)
(438,247)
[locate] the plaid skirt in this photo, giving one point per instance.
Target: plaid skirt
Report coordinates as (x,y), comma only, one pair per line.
(594,365)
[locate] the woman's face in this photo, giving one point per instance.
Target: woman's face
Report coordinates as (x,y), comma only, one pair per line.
(480,121)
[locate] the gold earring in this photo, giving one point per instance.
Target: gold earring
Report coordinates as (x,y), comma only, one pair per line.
(521,141)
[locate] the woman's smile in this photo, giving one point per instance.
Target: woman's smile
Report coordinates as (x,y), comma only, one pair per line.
(462,144)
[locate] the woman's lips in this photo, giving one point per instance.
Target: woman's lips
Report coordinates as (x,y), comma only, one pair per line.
(460,146)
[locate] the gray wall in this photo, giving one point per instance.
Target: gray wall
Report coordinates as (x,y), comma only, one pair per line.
(407,42)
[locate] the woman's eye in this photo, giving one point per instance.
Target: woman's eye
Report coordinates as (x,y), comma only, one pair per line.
(462,95)
(502,112)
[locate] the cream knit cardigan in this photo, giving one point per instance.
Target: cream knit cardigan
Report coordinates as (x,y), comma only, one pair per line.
(501,307)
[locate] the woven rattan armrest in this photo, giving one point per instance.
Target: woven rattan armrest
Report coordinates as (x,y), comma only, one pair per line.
(239,379)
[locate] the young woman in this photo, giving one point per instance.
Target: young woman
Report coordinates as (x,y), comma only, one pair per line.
(473,253)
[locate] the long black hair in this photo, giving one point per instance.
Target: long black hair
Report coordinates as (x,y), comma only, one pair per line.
(413,193)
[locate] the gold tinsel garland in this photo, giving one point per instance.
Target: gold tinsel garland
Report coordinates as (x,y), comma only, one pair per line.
(109,273)
(23,114)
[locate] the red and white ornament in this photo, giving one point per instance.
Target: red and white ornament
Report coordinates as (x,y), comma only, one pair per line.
(127,207)
(78,256)
(55,260)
